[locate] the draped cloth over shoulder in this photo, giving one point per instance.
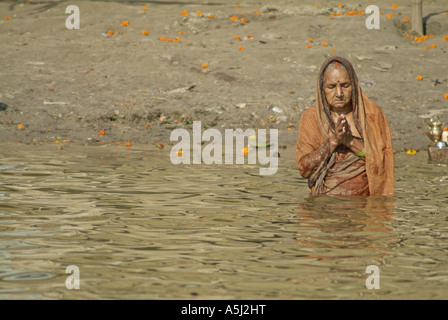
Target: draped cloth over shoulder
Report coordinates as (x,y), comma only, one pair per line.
(343,170)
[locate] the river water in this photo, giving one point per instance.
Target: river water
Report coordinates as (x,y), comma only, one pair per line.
(139,227)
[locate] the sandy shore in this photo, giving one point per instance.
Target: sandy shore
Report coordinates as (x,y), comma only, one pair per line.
(70,86)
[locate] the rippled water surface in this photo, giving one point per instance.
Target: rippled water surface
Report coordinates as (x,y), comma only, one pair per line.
(139,227)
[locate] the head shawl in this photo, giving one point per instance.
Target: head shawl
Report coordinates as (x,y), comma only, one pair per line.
(327,126)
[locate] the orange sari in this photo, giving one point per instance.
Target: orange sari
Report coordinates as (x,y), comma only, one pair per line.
(344,173)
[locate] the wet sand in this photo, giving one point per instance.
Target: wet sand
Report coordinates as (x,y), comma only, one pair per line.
(67,86)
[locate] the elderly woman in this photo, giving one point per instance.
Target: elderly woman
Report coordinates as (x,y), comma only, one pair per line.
(344,145)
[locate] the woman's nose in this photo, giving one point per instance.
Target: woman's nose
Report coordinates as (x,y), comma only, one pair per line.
(338,91)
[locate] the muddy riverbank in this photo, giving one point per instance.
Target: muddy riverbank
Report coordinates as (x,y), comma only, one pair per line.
(89,87)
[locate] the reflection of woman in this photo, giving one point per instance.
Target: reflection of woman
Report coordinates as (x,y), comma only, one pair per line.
(344,145)
(341,222)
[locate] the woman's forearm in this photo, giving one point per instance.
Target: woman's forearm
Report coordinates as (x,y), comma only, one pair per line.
(311,162)
(356,145)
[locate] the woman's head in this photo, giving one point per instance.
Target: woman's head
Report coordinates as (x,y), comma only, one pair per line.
(337,87)
(338,84)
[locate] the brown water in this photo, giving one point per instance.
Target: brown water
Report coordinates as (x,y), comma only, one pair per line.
(139,227)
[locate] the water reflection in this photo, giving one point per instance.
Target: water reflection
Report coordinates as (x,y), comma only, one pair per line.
(352,225)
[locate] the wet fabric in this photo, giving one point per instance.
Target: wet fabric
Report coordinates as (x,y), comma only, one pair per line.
(344,173)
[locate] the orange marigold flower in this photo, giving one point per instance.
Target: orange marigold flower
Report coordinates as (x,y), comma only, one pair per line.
(170,40)
(238,6)
(446,96)
(324,44)
(7,18)
(181,33)
(406,20)
(199,12)
(310,39)
(257,12)
(430,36)
(419,78)
(308,46)
(395,6)
(211,17)
(389,16)
(145,8)
(20,126)
(145,32)
(184,13)
(118,143)
(250,36)
(243,20)
(241,48)
(204,66)
(246,150)
(433,45)
(176,39)
(332,51)
(426,47)
(234,18)
(237,38)
(418,39)
(110,32)
(361,12)
(102,132)
(128,144)
(339,4)
(445,38)
(179,153)
(125,23)
(162,38)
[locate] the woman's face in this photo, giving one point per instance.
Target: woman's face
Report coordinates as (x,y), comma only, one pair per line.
(338,89)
